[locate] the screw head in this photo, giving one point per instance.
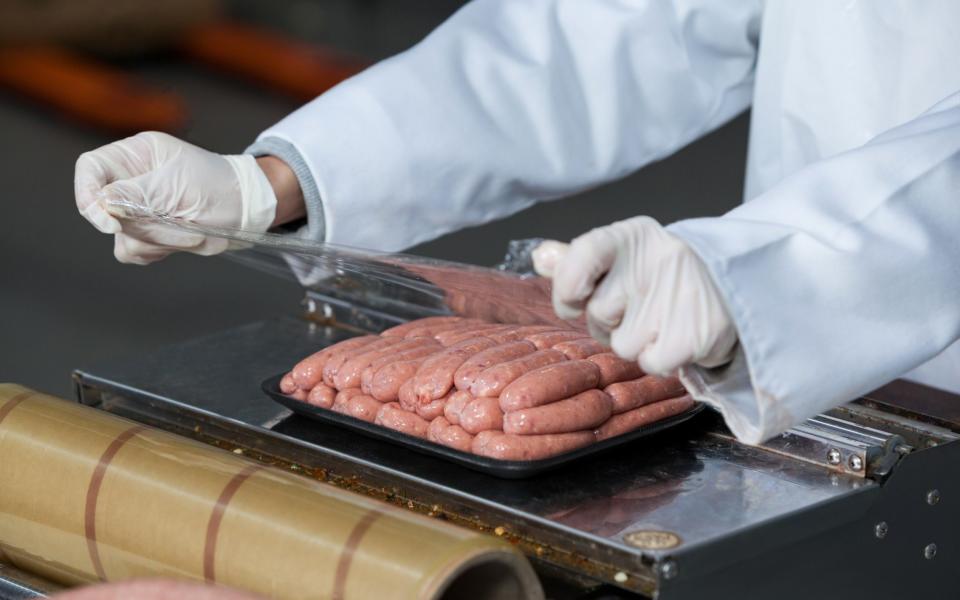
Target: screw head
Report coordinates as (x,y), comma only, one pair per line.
(930,551)
(880,530)
(933,496)
(833,456)
(668,569)
(855,462)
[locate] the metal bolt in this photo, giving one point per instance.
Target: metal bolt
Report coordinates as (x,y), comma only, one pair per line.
(668,569)
(833,456)
(929,551)
(933,496)
(855,462)
(880,530)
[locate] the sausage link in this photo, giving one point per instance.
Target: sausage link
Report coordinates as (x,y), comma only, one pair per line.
(474,365)
(452,336)
(644,415)
(401,329)
(363,407)
(492,380)
(338,359)
(458,400)
(628,395)
(503,446)
(432,331)
(425,347)
(434,378)
(453,436)
(348,375)
(432,410)
(287,386)
(586,410)
(309,371)
(386,383)
(549,384)
(481,414)
(580,349)
(614,369)
(406,396)
(548,339)
(392,416)
(322,395)
(342,398)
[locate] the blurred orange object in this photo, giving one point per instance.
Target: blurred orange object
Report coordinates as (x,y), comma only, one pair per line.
(88,91)
(299,69)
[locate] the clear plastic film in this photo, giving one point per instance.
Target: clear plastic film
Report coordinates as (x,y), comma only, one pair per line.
(401,284)
(88,496)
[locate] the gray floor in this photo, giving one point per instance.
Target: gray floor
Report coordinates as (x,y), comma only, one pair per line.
(66,303)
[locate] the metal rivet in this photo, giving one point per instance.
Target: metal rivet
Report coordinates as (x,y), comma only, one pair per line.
(930,551)
(880,530)
(833,456)
(933,496)
(668,569)
(855,462)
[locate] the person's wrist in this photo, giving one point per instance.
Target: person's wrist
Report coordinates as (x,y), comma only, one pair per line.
(286,188)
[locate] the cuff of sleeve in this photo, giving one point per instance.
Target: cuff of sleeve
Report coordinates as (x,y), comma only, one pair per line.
(288,153)
(752,410)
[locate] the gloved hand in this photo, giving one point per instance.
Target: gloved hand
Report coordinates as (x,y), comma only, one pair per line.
(155,173)
(645,292)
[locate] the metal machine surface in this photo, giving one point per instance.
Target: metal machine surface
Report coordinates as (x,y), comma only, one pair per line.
(859,503)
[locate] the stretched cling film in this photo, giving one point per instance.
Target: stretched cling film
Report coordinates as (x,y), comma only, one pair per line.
(509,293)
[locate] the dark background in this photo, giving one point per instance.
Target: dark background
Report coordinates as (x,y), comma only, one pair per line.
(66,303)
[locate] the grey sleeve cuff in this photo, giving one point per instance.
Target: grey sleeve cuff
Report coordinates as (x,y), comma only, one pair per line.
(315,228)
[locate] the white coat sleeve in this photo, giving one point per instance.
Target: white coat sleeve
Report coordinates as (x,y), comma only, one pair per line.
(514,101)
(839,279)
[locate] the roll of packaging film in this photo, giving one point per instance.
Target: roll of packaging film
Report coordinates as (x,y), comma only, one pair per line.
(88,496)
(391,280)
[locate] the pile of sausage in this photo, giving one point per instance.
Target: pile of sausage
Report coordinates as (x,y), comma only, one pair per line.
(511,392)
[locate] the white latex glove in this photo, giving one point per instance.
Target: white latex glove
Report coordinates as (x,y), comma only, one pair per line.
(162,175)
(645,292)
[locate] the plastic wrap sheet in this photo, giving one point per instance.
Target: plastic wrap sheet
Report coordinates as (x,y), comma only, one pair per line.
(88,496)
(408,284)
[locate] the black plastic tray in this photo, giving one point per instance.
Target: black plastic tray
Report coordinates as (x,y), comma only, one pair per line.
(509,469)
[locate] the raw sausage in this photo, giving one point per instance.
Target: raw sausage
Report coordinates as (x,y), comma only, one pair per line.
(481,414)
(638,417)
(492,380)
(363,407)
(401,329)
(406,397)
(441,431)
(456,403)
(348,375)
(504,446)
(309,371)
(394,417)
(586,410)
(426,347)
(337,360)
(432,331)
(287,385)
(582,348)
(386,383)
(342,398)
(434,378)
(549,384)
(432,410)
(449,338)
(548,339)
(628,395)
(474,365)
(322,395)
(614,369)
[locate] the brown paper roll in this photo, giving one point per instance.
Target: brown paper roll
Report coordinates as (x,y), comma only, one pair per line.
(88,496)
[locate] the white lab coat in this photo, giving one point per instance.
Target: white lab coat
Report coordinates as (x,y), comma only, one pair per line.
(842,271)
